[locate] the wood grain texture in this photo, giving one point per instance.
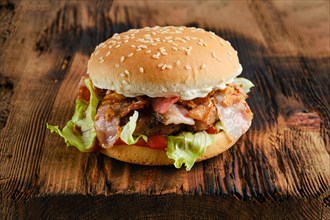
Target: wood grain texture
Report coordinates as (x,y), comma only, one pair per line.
(280,169)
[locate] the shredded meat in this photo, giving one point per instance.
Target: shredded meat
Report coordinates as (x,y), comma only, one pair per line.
(113,108)
(150,124)
(232,95)
(169,116)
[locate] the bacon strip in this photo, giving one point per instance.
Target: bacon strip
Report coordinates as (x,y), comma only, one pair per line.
(177,115)
(162,105)
(107,119)
(236,119)
(205,112)
(107,131)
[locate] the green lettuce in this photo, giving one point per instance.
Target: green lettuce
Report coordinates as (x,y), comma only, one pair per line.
(246,84)
(219,126)
(84,119)
(126,134)
(187,147)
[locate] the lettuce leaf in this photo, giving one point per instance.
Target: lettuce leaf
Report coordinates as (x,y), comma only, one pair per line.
(246,84)
(126,134)
(187,147)
(219,126)
(84,119)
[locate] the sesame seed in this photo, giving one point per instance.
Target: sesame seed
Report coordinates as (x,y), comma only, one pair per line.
(228,42)
(147,51)
(230,58)
(163,53)
(101,59)
(117,65)
(118,45)
(164,66)
(141,69)
(213,55)
(203,66)
(122,58)
(169,67)
(188,67)
(126,41)
(160,65)
(122,75)
(230,53)
(155,56)
(174,48)
(124,82)
(219,59)
(126,72)
(222,42)
(186,37)
(110,47)
(175,44)
(130,54)
(96,52)
(109,52)
(200,43)
(138,49)
(177,62)
(133,46)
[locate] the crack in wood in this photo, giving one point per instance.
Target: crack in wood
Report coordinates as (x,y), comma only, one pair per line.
(6,93)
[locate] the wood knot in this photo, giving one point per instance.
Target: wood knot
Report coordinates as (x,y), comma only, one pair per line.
(304,119)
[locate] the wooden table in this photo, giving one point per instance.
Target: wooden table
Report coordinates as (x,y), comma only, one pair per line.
(279,170)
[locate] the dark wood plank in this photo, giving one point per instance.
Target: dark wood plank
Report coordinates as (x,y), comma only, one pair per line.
(279,169)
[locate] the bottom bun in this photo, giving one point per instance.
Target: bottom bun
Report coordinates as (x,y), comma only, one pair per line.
(148,156)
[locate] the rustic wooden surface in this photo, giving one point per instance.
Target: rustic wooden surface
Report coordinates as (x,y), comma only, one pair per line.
(279,170)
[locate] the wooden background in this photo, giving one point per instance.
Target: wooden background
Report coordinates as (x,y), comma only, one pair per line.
(279,170)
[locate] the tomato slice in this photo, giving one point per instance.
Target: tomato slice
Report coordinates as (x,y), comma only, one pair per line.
(211,130)
(157,142)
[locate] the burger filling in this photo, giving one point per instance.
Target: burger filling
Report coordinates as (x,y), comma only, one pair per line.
(183,128)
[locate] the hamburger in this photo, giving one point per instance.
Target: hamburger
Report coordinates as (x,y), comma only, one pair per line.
(160,96)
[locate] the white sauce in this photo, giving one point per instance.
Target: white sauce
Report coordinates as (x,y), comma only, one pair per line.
(185,95)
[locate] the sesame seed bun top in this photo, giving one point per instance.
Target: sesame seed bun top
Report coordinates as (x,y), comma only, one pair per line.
(164,62)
